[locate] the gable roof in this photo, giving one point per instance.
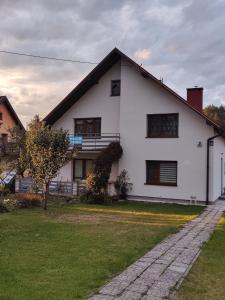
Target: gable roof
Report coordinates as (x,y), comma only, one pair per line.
(4,100)
(92,78)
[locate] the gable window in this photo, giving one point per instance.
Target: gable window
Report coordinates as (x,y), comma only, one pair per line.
(1,116)
(81,168)
(115,87)
(88,127)
(161,172)
(162,126)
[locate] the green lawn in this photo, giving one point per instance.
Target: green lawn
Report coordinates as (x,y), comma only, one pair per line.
(207,278)
(71,250)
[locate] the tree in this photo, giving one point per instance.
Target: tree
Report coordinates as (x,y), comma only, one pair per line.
(216,113)
(45,151)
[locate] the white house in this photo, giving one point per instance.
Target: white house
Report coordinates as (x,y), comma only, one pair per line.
(171,150)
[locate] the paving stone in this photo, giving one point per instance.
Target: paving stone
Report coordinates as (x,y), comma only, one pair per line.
(152,273)
(178,269)
(164,267)
(129,295)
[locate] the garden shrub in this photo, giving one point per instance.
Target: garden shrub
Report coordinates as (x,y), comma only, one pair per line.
(100,198)
(3,208)
(28,199)
(122,185)
(4,190)
(7,205)
(97,180)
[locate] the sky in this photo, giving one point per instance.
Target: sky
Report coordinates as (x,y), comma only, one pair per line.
(181,41)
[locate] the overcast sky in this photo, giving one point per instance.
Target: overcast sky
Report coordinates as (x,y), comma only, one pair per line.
(182,41)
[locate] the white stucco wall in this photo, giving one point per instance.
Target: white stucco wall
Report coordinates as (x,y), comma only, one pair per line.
(139,97)
(97,102)
(217,168)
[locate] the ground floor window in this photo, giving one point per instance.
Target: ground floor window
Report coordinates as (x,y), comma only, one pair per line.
(81,168)
(161,172)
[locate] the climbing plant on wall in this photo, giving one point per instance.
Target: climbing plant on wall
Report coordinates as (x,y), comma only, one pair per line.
(97,180)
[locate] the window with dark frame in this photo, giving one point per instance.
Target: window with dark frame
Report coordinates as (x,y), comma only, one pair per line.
(162,126)
(88,127)
(115,87)
(81,168)
(161,172)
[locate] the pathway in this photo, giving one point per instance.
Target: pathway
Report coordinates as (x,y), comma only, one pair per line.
(160,271)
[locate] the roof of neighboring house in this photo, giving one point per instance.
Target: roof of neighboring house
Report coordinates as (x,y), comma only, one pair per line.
(92,78)
(4,100)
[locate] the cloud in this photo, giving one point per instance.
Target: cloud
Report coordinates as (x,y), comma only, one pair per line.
(181,41)
(142,54)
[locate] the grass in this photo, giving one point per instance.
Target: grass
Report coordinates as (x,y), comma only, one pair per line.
(207,278)
(71,250)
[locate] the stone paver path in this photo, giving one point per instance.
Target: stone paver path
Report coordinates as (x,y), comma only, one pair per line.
(159,272)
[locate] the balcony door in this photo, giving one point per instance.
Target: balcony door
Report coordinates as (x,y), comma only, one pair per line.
(88,127)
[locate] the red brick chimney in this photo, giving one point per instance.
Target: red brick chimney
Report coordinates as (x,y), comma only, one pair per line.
(195,98)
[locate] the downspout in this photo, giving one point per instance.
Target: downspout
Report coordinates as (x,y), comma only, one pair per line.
(207,171)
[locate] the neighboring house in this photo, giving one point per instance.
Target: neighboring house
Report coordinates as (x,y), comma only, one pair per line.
(8,120)
(172,151)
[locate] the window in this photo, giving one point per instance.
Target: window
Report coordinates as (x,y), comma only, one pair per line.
(81,168)
(89,127)
(161,172)
(115,88)
(162,126)
(1,116)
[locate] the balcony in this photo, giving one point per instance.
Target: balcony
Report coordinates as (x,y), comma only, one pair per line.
(87,142)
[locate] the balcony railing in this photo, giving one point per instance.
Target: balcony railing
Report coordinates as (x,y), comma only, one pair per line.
(93,142)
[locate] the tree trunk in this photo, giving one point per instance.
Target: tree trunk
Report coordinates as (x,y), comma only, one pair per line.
(45,194)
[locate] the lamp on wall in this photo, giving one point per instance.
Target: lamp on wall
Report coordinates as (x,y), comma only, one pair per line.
(199,145)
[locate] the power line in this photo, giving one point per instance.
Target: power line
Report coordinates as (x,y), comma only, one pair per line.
(48,57)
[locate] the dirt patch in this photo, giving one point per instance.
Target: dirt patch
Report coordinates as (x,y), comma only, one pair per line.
(85,218)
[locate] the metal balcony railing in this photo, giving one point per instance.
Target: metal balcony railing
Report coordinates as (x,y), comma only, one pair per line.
(93,142)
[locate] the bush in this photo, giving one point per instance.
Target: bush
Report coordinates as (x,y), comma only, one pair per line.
(4,190)
(97,180)
(99,198)
(122,185)
(26,200)
(7,205)
(3,208)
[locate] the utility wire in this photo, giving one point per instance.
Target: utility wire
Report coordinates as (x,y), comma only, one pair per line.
(48,57)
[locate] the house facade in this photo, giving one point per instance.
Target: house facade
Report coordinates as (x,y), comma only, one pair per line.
(8,120)
(172,152)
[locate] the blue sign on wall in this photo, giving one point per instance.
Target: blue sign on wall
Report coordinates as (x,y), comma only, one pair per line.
(76,140)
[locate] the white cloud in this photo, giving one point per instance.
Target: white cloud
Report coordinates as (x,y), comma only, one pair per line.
(170,38)
(142,54)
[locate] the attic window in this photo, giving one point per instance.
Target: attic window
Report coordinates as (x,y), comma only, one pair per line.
(115,88)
